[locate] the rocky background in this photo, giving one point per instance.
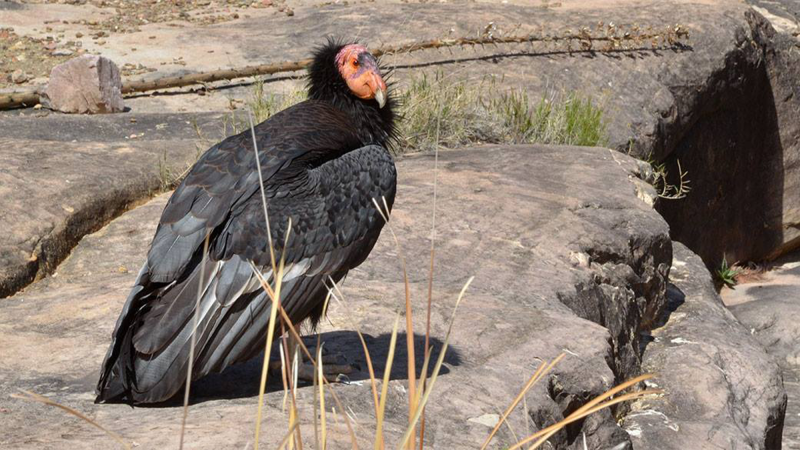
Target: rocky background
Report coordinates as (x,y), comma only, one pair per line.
(571,248)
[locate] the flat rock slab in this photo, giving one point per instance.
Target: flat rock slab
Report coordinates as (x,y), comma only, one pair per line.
(722,389)
(551,234)
(62,178)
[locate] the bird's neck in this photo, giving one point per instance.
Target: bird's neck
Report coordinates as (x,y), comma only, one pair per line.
(374,125)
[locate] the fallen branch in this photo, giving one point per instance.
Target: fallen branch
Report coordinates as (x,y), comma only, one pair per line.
(613,38)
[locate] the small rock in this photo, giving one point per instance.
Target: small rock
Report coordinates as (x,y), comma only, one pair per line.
(490,420)
(86,84)
(62,52)
(19,77)
(79,35)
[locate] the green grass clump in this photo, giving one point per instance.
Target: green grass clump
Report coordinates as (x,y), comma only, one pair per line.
(263,106)
(727,274)
(436,111)
(567,119)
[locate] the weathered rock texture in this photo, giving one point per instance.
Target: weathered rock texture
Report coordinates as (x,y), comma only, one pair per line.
(566,258)
(62,178)
(741,148)
(769,308)
(86,84)
(721,389)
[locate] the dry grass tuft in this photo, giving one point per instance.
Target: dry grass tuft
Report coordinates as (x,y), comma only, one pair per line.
(443,111)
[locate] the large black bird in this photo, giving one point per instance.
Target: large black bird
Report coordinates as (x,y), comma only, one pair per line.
(322,161)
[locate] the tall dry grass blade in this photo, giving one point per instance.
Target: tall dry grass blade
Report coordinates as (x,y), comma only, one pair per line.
(34,397)
(288,435)
(296,414)
(370,369)
(289,361)
(412,369)
(424,368)
(591,407)
(424,375)
(436,368)
(299,341)
(575,417)
(379,443)
(263,194)
(277,273)
(316,422)
(275,300)
(613,391)
(323,420)
(193,342)
(540,372)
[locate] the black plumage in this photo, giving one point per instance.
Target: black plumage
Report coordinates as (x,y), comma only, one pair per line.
(322,161)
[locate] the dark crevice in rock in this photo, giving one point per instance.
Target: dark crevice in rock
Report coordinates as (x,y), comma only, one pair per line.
(730,139)
(625,294)
(55,246)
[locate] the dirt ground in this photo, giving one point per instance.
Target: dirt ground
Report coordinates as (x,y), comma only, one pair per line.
(36,35)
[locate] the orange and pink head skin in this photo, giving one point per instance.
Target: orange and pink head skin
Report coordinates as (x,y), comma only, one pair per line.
(360,71)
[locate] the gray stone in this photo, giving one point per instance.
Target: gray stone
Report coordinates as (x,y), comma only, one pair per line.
(19,77)
(769,308)
(721,388)
(86,84)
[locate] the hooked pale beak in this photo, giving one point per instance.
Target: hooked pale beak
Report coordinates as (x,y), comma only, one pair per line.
(377,87)
(380,97)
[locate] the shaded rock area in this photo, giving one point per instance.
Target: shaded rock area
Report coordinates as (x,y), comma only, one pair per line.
(769,307)
(62,178)
(721,389)
(88,84)
(742,150)
(553,235)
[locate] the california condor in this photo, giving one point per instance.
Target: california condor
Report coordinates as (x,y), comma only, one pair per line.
(323,162)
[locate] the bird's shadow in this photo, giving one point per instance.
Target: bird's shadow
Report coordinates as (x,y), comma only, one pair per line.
(242,380)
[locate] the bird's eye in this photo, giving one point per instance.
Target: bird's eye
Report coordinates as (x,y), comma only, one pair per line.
(355,63)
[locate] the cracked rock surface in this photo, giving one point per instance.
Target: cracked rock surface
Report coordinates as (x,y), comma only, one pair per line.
(722,390)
